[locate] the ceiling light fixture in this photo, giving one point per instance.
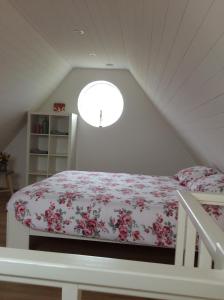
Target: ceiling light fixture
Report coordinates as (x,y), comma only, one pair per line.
(79,31)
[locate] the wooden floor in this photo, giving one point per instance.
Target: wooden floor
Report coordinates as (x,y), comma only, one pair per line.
(9,291)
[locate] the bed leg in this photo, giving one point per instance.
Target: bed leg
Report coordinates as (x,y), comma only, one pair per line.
(17,235)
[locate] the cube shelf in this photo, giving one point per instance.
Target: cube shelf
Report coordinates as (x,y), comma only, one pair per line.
(50,144)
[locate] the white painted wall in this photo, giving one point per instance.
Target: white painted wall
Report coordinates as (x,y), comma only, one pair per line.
(140,142)
(17,150)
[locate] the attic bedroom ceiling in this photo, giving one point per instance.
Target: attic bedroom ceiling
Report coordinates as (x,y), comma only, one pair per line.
(174,49)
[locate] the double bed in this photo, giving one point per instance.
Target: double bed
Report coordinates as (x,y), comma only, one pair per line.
(100,206)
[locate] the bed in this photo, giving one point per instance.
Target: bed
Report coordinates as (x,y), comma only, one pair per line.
(114,207)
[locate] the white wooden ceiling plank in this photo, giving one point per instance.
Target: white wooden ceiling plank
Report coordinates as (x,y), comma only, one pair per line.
(159,21)
(124,20)
(23,42)
(209,108)
(212,65)
(56,22)
(209,123)
(92,39)
(185,122)
(52,21)
(211,152)
(175,16)
(23,64)
(149,21)
(107,22)
(145,50)
(194,17)
(211,89)
(140,35)
(127,17)
(207,38)
(26,52)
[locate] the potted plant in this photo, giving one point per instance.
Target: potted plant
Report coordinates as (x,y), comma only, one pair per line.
(4,158)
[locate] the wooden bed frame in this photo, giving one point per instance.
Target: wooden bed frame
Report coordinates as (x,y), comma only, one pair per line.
(22,237)
(18,235)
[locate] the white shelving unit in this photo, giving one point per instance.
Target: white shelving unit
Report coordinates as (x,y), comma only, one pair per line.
(50,144)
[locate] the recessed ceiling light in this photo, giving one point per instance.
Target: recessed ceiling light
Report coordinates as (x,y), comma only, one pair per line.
(79,31)
(109,65)
(92,54)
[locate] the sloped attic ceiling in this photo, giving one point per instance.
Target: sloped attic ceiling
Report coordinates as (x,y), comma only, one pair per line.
(29,70)
(174,48)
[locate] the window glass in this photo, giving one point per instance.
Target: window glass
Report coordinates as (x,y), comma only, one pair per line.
(100,103)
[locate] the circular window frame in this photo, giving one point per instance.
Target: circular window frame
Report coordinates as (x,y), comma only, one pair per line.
(103,114)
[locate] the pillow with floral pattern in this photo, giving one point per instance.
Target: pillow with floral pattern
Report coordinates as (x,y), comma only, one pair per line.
(213,183)
(186,175)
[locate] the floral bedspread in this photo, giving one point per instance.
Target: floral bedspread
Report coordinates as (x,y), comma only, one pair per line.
(109,206)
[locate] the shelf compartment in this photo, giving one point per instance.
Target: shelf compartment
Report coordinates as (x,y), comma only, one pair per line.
(39,124)
(53,150)
(58,145)
(38,142)
(59,125)
(35,177)
(38,164)
(57,164)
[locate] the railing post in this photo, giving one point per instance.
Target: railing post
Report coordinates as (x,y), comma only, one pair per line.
(70,292)
(190,244)
(209,232)
(219,259)
(181,233)
(204,258)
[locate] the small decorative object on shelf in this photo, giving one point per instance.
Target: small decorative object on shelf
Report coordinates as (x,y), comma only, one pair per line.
(4,158)
(59,107)
(41,127)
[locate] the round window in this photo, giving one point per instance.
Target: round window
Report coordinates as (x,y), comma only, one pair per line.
(100,103)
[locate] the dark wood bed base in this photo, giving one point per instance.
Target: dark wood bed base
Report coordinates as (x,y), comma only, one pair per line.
(113,250)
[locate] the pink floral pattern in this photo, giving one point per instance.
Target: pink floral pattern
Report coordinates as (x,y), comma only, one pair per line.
(109,206)
(187,175)
(213,184)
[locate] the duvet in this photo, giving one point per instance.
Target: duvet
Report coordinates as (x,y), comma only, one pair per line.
(107,206)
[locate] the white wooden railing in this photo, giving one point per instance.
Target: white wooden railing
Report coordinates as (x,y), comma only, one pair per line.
(193,220)
(74,273)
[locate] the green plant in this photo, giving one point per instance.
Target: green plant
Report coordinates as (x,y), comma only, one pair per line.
(4,157)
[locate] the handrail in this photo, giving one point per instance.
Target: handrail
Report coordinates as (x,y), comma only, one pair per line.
(113,275)
(213,198)
(210,233)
